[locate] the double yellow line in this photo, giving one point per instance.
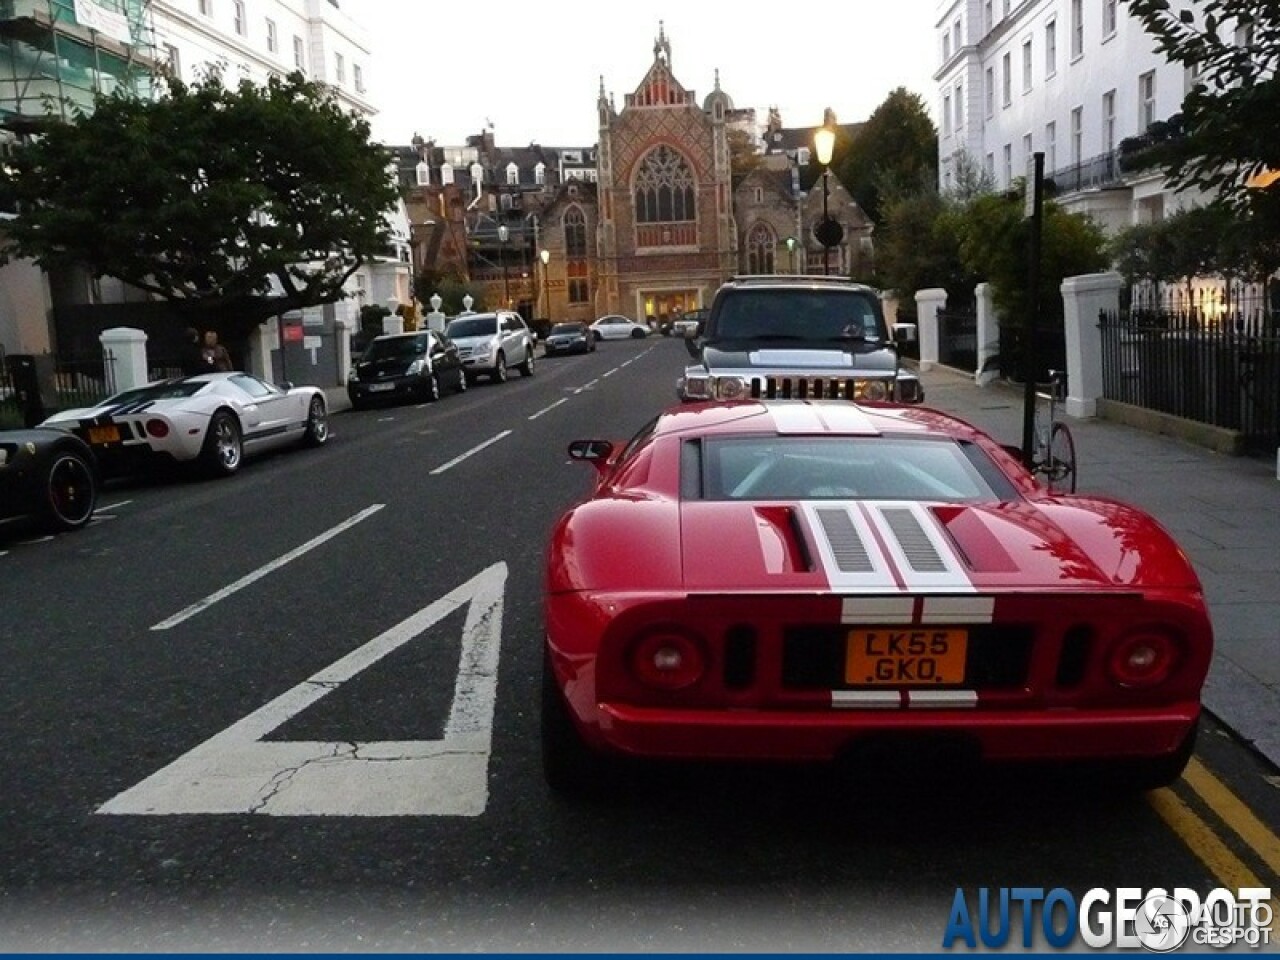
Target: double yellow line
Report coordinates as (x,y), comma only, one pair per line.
(1226,866)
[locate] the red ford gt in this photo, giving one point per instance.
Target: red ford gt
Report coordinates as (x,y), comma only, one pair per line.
(788,580)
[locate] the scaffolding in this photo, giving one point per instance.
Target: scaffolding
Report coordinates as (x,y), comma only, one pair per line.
(56,55)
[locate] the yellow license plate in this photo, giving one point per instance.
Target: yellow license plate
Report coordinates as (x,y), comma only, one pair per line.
(107,434)
(905,656)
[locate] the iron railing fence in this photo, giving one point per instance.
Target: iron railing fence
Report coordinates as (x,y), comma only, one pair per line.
(34,386)
(958,338)
(1205,356)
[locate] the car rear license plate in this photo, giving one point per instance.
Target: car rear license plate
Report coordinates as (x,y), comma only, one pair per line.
(905,657)
(107,434)
(380,387)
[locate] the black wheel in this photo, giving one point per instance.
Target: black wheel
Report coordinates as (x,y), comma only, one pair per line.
(223,445)
(463,382)
(317,431)
(526,368)
(595,336)
(637,334)
(1060,471)
(569,766)
(70,491)
(499,374)
(431,392)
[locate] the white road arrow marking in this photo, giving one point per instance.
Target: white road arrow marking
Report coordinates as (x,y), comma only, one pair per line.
(237,771)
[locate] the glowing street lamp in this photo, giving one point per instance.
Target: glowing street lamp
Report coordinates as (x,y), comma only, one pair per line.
(545,256)
(829,232)
(503,235)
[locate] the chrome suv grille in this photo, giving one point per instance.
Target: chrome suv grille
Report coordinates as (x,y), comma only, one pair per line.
(804,388)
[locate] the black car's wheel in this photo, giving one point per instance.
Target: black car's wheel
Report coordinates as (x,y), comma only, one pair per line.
(431,390)
(526,368)
(70,491)
(317,431)
(637,334)
(463,382)
(499,374)
(223,448)
(569,766)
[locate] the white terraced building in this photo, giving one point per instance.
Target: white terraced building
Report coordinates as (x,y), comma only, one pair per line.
(1069,78)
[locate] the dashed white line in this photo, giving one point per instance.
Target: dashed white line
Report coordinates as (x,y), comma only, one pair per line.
(474,450)
(535,416)
(609,373)
(385,419)
(587,386)
(262,571)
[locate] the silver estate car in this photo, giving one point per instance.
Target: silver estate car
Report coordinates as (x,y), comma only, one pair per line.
(491,343)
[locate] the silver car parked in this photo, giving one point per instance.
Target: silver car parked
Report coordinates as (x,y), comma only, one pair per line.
(491,343)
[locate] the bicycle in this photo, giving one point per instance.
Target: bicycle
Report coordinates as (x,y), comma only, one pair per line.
(1054,454)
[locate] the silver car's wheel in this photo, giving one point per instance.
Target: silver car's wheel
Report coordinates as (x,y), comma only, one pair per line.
(463,381)
(223,445)
(526,368)
(499,374)
(317,423)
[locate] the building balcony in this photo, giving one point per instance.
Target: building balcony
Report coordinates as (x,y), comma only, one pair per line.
(1098,173)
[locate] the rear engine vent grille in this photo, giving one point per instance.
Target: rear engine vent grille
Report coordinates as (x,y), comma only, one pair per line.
(846,546)
(916,545)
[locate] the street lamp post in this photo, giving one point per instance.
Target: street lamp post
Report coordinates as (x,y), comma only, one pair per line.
(545,256)
(503,235)
(829,232)
(791,249)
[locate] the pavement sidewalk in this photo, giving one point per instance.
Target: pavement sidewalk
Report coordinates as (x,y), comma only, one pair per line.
(1224,511)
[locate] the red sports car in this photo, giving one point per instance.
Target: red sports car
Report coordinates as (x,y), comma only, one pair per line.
(789,580)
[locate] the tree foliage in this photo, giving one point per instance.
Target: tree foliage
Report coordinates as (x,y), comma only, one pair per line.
(234,204)
(1230,116)
(743,155)
(918,246)
(995,238)
(1199,242)
(898,143)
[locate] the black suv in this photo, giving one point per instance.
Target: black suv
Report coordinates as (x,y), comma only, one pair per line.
(798,337)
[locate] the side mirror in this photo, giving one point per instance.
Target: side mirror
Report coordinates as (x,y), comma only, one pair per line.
(691,343)
(904,333)
(286,386)
(595,452)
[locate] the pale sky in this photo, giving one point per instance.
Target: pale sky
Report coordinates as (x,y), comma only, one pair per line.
(533,68)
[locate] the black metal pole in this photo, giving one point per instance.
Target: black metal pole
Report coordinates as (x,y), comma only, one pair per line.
(502,255)
(1031,357)
(826,250)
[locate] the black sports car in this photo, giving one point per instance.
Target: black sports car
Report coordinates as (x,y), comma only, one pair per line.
(47,475)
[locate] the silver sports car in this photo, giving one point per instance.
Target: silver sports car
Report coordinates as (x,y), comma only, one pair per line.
(214,419)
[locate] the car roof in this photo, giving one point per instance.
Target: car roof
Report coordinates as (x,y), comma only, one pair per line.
(402,336)
(810,418)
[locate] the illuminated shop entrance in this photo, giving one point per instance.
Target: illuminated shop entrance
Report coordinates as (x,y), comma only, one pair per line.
(663,305)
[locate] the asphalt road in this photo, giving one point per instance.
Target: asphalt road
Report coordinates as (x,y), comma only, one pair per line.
(363,623)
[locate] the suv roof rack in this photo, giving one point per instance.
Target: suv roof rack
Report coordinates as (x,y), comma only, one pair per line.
(790,277)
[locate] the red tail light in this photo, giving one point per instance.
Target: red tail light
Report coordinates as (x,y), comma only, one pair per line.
(668,660)
(157,428)
(1143,658)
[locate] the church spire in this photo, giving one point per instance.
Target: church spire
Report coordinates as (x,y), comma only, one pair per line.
(661,46)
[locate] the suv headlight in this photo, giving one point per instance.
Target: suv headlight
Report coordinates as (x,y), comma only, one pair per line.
(730,388)
(353,373)
(697,386)
(873,390)
(416,367)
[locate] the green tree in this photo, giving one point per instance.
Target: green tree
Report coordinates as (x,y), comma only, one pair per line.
(234,205)
(995,236)
(1230,115)
(897,144)
(743,155)
(918,246)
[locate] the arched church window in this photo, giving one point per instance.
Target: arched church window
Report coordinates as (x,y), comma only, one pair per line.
(664,188)
(575,233)
(761,244)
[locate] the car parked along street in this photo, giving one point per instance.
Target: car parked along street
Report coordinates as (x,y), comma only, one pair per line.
(491,343)
(417,365)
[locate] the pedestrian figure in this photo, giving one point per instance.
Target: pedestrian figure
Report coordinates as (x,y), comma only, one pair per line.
(190,355)
(215,354)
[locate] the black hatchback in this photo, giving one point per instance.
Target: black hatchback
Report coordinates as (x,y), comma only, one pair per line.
(419,365)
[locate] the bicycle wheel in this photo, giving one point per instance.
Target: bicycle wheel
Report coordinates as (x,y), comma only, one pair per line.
(1061,469)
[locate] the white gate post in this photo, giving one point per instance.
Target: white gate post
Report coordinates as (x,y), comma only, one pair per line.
(988,333)
(1083,299)
(928,303)
(124,351)
(262,342)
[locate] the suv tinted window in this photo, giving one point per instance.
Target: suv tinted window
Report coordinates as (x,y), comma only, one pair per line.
(797,314)
(471,327)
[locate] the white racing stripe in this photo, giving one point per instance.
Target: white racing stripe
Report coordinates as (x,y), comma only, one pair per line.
(866,699)
(877,610)
(200,605)
(942,699)
(474,450)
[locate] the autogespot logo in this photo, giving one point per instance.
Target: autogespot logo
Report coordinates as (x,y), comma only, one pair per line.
(1127,918)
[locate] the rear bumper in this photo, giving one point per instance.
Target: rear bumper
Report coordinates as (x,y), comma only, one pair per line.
(997,735)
